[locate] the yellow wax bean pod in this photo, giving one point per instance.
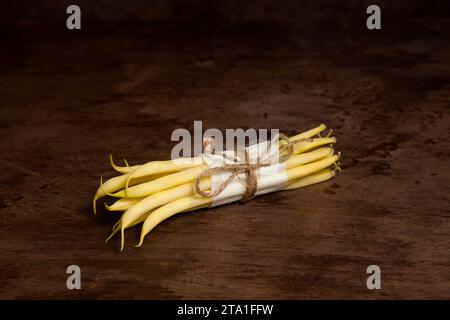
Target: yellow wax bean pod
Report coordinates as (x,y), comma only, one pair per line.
(112,185)
(122,204)
(170,209)
(321,176)
(164,167)
(156,200)
(160,198)
(117,226)
(115,184)
(120,169)
(163,183)
(303,146)
(140,219)
(300,159)
(310,168)
(308,134)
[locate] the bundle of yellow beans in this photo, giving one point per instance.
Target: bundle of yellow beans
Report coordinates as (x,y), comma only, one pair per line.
(157,190)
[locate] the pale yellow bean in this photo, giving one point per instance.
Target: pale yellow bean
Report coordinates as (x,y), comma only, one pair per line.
(163,183)
(170,209)
(321,176)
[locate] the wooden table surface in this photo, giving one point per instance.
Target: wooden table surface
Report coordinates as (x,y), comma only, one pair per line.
(69,100)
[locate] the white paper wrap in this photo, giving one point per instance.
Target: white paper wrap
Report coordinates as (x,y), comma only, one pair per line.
(269,179)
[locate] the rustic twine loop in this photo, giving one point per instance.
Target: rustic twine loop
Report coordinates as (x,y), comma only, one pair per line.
(249,169)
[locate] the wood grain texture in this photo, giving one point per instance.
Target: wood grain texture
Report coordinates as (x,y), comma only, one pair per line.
(69,100)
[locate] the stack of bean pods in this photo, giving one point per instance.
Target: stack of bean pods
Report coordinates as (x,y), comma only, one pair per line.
(154,191)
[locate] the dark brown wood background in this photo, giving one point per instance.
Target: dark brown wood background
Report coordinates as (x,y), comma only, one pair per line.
(68,99)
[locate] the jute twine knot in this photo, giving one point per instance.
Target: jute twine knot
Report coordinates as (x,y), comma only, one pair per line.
(249,169)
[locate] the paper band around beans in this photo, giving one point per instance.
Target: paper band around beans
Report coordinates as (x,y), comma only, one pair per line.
(157,190)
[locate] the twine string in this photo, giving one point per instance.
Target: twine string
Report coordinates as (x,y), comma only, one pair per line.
(285,151)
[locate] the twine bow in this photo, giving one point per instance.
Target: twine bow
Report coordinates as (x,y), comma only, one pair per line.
(285,151)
